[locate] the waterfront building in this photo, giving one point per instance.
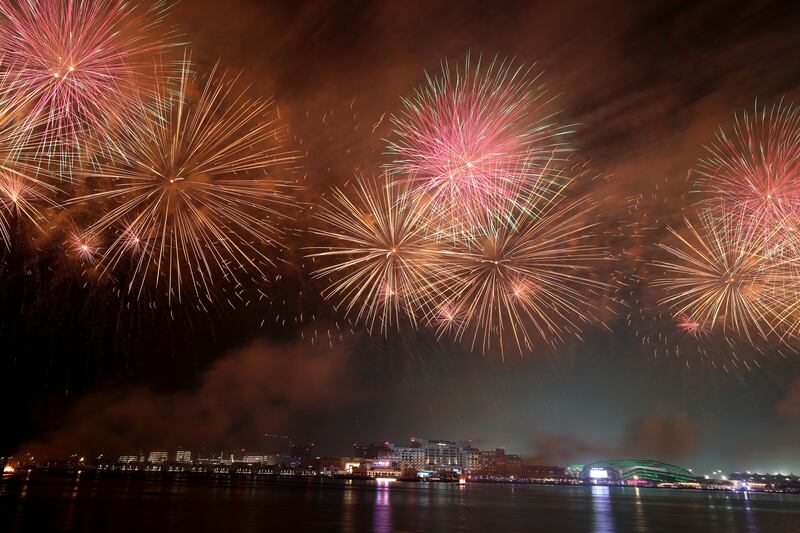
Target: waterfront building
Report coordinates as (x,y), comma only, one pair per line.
(636,472)
(157,456)
(373,450)
(183,456)
(298,453)
(436,455)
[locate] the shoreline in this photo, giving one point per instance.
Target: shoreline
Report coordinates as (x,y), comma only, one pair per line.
(264,476)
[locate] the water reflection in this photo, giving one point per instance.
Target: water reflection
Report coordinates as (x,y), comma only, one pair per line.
(348,508)
(602,518)
(382,516)
(92,502)
(641,523)
(68,521)
(748,514)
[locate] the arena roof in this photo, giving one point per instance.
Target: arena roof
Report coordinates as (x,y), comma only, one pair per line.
(633,469)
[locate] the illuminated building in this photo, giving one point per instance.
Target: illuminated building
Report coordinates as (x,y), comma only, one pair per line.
(499,463)
(434,455)
(268,459)
(157,456)
(128,459)
(755,481)
(183,456)
(408,457)
(636,472)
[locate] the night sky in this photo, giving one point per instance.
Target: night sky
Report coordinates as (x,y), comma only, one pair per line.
(648,84)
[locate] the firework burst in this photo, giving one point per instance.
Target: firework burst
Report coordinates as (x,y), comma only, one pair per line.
(471,142)
(81,65)
(532,280)
(190,197)
(84,246)
(381,253)
(755,169)
(722,275)
(23,183)
(691,326)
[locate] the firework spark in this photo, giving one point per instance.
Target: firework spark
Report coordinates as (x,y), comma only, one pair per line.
(475,140)
(755,169)
(380,250)
(190,197)
(84,246)
(530,279)
(691,326)
(21,197)
(80,64)
(723,275)
(23,184)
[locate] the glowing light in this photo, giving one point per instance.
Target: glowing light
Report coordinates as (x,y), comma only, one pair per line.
(113,42)
(474,141)
(722,275)
(490,282)
(193,196)
(380,252)
(755,168)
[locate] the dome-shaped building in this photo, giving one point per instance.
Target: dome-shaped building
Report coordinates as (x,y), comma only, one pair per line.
(630,471)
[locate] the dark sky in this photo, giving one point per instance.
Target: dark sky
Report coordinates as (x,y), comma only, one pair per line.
(648,82)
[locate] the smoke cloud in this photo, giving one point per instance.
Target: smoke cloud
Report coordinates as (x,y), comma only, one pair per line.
(249,392)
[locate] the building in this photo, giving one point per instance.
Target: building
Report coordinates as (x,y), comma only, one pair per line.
(128,459)
(407,457)
(157,456)
(373,450)
(756,481)
(298,453)
(436,455)
(636,472)
(183,456)
(498,463)
(267,459)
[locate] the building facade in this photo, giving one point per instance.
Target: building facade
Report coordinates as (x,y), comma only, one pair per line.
(437,455)
(157,456)
(183,456)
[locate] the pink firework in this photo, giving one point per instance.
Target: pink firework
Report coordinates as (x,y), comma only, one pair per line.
(691,326)
(476,140)
(755,169)
(447,318)
(84,246)
(80,64)
(21,197)
(23,184)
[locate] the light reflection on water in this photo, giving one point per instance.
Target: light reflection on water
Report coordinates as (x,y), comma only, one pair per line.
(640,520)
(382,517)
(156,504)
(602,518)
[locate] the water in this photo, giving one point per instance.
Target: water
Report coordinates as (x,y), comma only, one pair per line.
(152,503)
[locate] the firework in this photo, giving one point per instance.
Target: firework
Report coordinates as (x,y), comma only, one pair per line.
(23,184)
(84,246)
(755,169)
(474,140)
(381,255)
(22,197)
(723,275)
(190,197)
(80,64)
(533,279)
(691,326)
